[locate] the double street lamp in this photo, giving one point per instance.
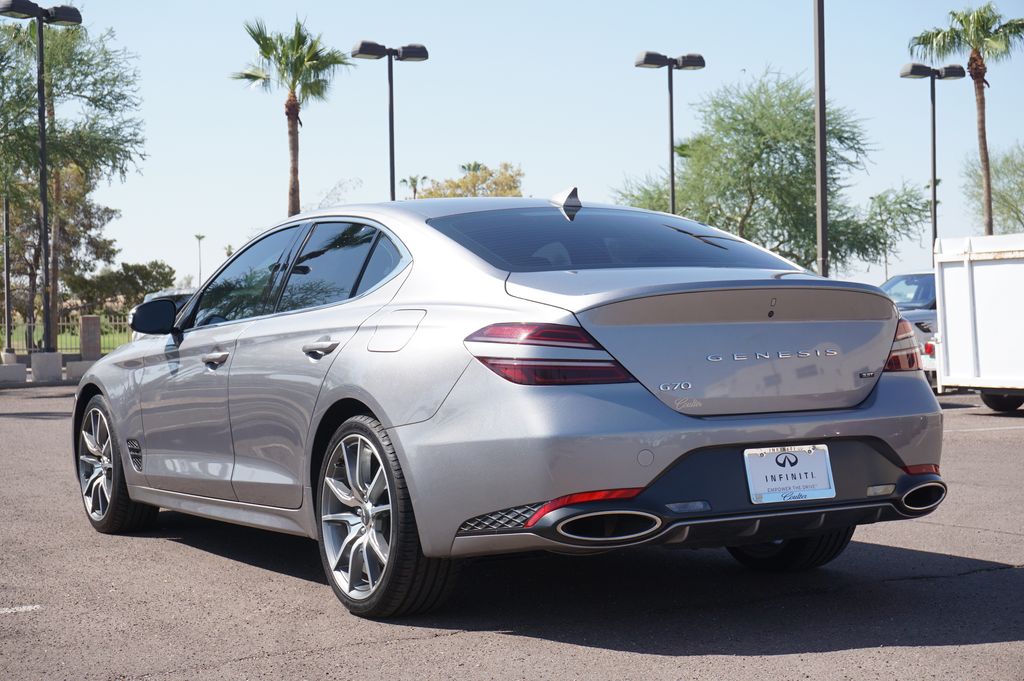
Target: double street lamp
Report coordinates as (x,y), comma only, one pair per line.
(950,72)
(61,15)
(367,49)
(687,62)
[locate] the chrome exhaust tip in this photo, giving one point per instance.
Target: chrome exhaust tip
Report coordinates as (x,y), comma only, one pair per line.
(924,498)
(608,526)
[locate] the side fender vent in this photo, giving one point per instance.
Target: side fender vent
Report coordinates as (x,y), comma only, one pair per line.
(135,454)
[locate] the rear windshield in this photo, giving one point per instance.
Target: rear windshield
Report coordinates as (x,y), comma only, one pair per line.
(543,240)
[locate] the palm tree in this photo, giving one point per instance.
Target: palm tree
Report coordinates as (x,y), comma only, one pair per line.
(472,167)
(985,37)
(299,63)
(413,182)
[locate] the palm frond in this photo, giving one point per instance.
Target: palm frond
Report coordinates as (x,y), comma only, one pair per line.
(937,44)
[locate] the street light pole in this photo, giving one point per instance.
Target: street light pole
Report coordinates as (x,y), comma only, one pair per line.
(391,120)
(44,204)
(367,49)
(8,317)
(948,72)
(820,139)
(687,62)
(671,148)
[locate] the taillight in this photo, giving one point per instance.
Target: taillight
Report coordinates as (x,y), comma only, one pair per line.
(580,498)
(903,356)
(929,349)
(534,365)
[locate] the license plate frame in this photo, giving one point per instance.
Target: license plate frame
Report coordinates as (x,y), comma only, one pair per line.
(804,473)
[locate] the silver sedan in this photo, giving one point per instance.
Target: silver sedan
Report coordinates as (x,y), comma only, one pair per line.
(415,383)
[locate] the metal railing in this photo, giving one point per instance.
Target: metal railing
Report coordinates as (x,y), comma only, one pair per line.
(27,338)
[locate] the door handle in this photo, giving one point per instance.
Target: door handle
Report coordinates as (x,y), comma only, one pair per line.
(318,349)
(215,358)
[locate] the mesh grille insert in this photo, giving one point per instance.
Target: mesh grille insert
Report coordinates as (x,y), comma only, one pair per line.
(135,453)
(506,519)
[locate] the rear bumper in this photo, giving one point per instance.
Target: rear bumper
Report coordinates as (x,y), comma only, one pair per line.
(495,447)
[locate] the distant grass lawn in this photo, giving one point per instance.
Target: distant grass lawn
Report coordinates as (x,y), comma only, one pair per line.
(68,342)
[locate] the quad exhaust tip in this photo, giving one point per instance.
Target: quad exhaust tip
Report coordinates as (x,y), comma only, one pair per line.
(924,497)
(606,526)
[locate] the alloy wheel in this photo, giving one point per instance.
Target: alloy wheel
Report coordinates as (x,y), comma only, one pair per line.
(355,516)
(96,464)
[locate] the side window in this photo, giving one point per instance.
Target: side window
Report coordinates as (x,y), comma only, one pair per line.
(383,261)
(241,288)
(327,269)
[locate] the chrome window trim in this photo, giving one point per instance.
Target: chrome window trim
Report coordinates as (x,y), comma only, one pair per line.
(403,264)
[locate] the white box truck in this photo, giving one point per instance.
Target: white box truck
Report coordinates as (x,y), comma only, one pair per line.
(979,283)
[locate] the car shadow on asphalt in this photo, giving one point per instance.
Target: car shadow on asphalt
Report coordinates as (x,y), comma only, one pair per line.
(682,602)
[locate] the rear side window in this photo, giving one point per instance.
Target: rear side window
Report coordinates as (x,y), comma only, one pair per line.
(383,261)
(328,266)
(542,240)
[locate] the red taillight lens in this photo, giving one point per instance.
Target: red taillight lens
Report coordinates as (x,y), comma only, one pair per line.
(903,356)
(922,469)
(558,335)
(561,368)
(580,498)
(557,372)
(929,349)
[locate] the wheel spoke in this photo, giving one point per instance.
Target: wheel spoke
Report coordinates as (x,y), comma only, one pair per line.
(341,493)
(377,511)
(352,468)
(356,563)
(91,444)
(378,486)
(349,519)
(372,568)
(379,546)
(89,460)
(350,538)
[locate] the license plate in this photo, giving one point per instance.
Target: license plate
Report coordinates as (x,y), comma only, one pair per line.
(779,474)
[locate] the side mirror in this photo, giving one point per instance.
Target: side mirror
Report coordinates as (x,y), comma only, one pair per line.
(155,317)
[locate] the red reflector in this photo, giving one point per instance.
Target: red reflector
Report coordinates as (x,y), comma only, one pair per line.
(559,335)
(557,372)
(929,349)
(922,469)
(580,498)
(904,355)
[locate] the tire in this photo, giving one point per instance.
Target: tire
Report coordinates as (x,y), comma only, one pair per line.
(793,555)
(1003,403)
(100,468)
(393,579)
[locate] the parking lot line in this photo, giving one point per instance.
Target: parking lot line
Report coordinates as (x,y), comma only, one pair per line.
(978,430)
(19,608)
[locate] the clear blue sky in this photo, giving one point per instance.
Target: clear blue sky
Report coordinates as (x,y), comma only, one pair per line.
(549,86)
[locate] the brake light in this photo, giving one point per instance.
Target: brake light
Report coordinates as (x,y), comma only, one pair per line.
(560,368)
(922,469)
(580,498)
(557,335)
(904,355)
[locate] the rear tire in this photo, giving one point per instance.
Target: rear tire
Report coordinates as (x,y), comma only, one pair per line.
(377,568)
(793,555)
(1002,403)
(101,475)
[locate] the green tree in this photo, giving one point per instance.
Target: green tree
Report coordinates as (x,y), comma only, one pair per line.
(97,136)
(479,180)
(750,170)
(1007,187)
(299,63)
(120,288)
(985,37)
(413,182)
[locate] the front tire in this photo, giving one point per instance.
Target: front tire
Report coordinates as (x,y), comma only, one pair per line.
(101,475)
(369,542)
(1002,403)
(793,555)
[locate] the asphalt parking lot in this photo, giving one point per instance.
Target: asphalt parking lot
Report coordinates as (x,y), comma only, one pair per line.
(940,597)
